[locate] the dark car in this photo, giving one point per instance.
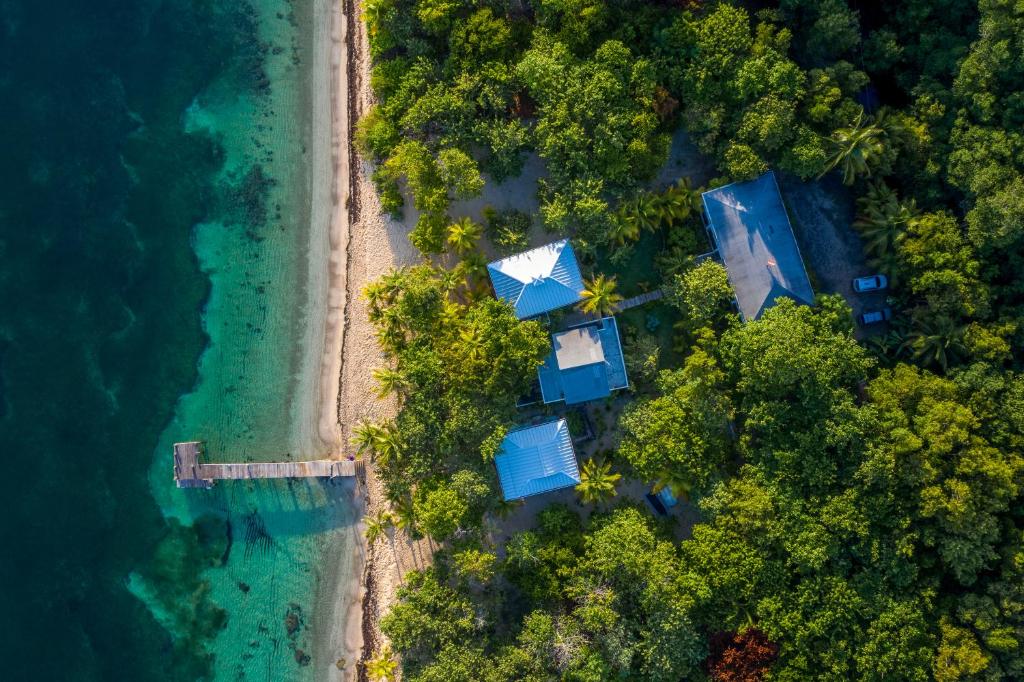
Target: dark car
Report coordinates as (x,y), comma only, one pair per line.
(875,316)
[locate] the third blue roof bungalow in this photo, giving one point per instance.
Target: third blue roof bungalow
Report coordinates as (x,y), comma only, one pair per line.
(537,459)
(751,231)
(539,280)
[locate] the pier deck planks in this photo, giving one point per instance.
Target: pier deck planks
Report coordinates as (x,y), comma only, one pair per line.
(189,472)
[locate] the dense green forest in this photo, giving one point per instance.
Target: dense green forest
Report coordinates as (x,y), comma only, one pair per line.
(860,502)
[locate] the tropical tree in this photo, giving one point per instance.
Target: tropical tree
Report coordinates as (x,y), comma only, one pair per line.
(503,508)
(473,269)
(597,482)
(382,668)
(366,435)
(382,440)
(389,381)
(936,341)
(404,517)
(882,219)
(600,297)
(679,202)
(463,235)
(856,149)
(626,226)
(377,526)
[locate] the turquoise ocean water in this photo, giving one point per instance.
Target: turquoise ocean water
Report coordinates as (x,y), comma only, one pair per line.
(154,234)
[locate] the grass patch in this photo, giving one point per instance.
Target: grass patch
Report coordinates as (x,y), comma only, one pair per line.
(636,274)
(656,319)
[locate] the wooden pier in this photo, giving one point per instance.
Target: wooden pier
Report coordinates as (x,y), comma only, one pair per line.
(189,472)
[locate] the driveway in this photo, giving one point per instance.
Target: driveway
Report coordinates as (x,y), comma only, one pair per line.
(822,214)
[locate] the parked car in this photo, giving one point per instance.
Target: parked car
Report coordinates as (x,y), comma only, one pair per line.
(870,283)
(875,316)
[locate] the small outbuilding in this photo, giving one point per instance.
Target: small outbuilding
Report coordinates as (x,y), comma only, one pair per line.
(585,364)
(537,459)
(754,238)
(538,280)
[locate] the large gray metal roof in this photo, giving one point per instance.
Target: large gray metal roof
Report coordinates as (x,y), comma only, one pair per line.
(756,243)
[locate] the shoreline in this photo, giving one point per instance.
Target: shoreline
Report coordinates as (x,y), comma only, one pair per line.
(375,243)
(341,633)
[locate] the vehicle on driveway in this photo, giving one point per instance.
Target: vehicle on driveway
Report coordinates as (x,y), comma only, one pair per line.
(870,283)
(875,316)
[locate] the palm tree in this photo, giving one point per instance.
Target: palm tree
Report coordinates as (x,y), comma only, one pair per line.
(390,329)
(473,268)
(883,219)
(377,526)
(471,344)
(463,235)
(389,381)
(503,508)
(679,202)
(889,346)
(642,212)
(623,229)
(366,435)
(380,439)
(405,517)
(597,482)
(856,148)
(600,296)
(382,668)
(936,341)
(388,446)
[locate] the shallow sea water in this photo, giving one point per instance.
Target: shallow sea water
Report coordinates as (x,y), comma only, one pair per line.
(153,290)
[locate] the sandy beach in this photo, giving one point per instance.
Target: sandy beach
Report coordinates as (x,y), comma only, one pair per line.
(364,245)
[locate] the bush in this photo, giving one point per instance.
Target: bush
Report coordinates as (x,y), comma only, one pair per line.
(507,230)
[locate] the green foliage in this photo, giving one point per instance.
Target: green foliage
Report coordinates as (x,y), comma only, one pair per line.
(600,297)
(464,366)
(433,182)
(857,149)
(795,371)
(507,230)
(937,463)
(596,127)
(452,505)
(681,437)
(703,294)
(866,520)
(427,617)
(745,102)
(597,482)
(630,575)
(988,146)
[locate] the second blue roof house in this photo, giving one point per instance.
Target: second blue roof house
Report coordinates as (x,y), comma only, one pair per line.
(537,459)
(585,364)
(538,280)
(751,230)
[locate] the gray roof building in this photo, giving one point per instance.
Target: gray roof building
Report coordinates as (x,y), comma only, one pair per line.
(755,240)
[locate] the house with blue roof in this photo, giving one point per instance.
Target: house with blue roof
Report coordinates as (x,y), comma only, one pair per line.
(585,363)
(751,231)
(538,280)
(537,459)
